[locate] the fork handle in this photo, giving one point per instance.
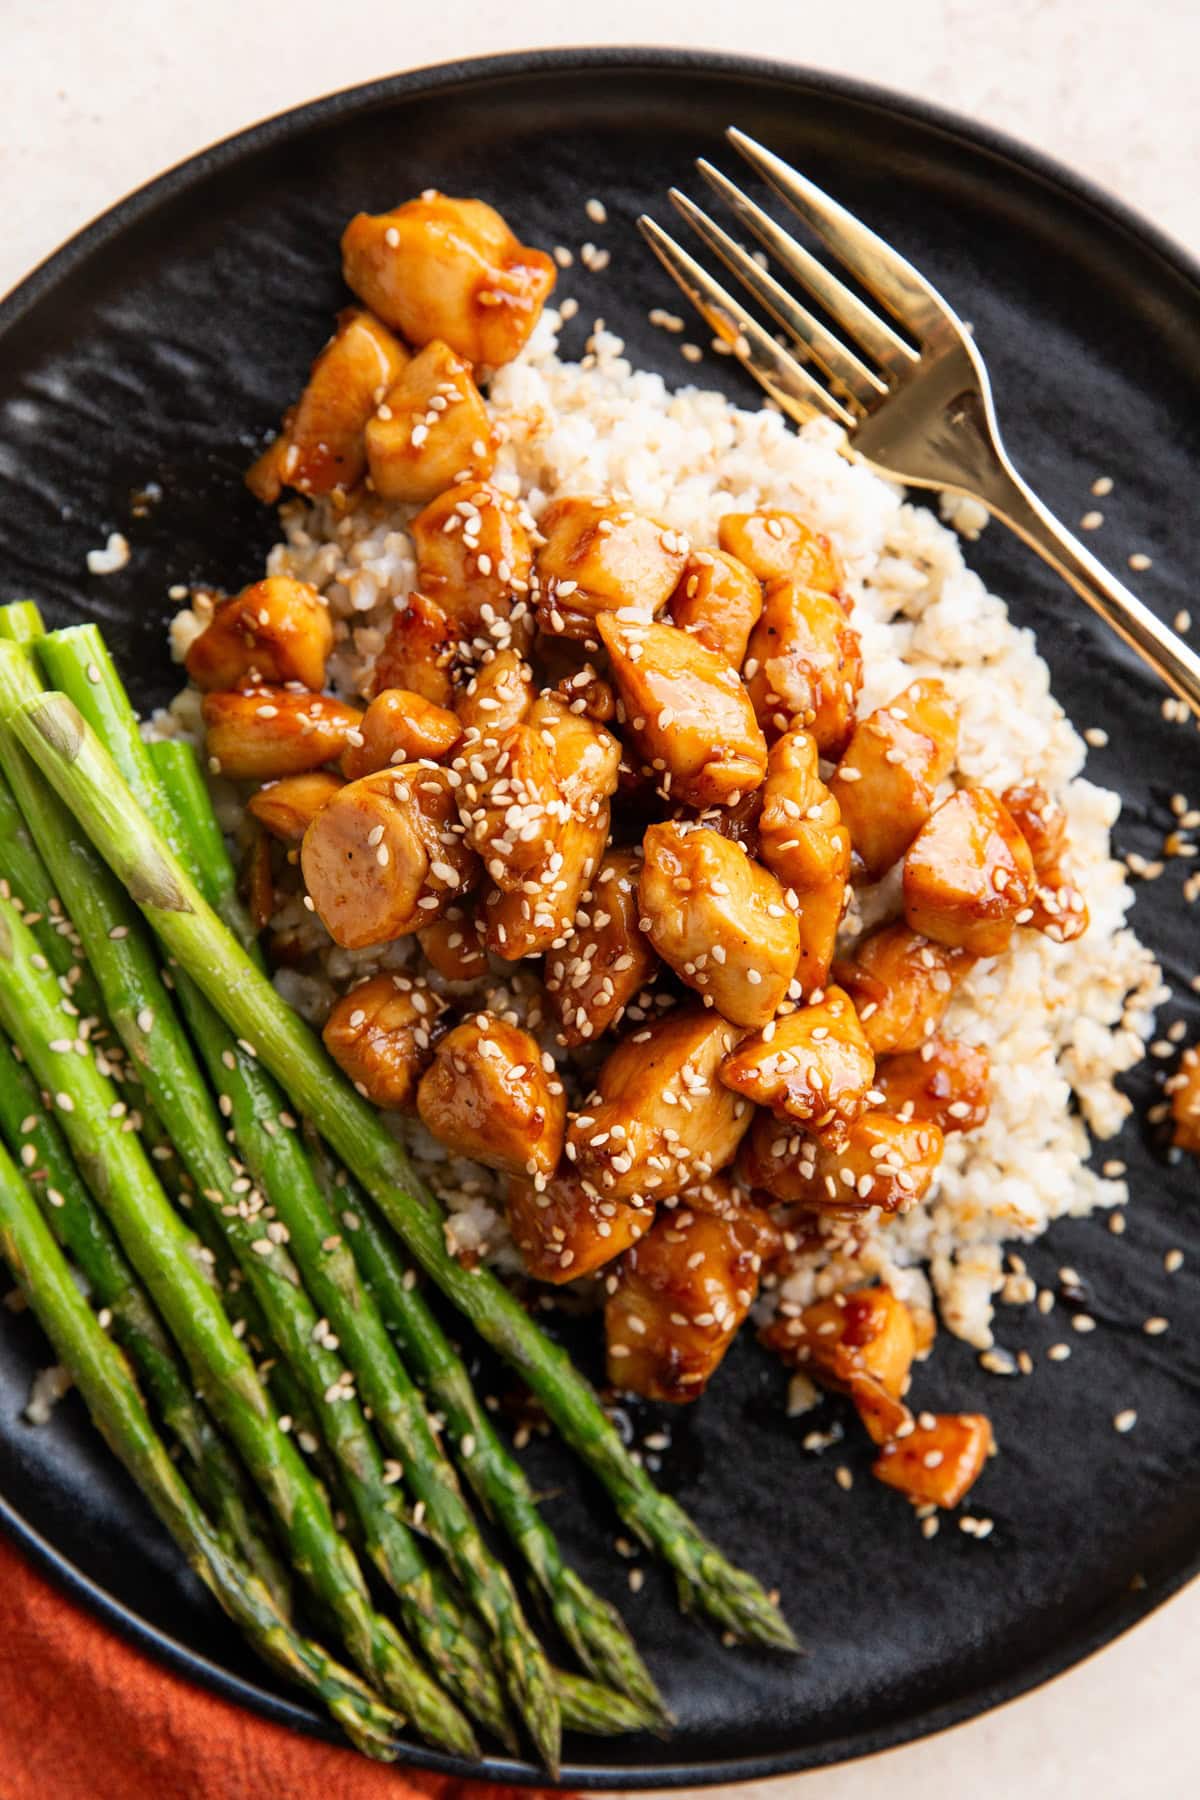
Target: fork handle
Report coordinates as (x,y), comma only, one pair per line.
(1014,501)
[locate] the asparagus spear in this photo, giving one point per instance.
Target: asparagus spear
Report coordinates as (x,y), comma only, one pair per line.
(21,622)
(103,1379)
(169,1260)
(57,736)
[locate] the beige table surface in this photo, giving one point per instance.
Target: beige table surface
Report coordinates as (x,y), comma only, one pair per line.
(96,96)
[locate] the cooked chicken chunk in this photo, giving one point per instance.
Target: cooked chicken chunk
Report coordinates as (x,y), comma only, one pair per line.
(660,1120)
(804,666)
(487,1096)
(499,695)
(937,1463)
(453,945)
(777,546)
(1184,1088)
(720,920)
(381,1034)
(540,914)
(814,1065)
(804,843)
(566,1229)
(718,600)
(968,874)
(945,1081)
(386,856)
(679,1296)
(288,807)
(473,554)
(271,731)
(886,780)
(685,711)
(276,630)
(397,727)
(606,960)
(901,985)
(443,268)
(514,815)
(861,1344)
(418,653)
(598,556)
(587,692)
(1059,908)
(430,431)
(881,1161)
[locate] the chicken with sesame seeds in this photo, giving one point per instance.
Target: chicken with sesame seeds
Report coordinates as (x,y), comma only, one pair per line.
(499,694)
(886,780)
(274,631)
(718,600)
(946,1082)
(597,557)
(680,1294)
(287,807)
(1059,908)
(386,856)
(474,555)
(566,1228)
(685,711)
(397,727)
(720,920)
(453,945)
(968,875)
(813,1065)
(512,816)
(777,546)
(805,845)
(940,1460)
(901,985)
(418,653)
(437,267)
(268,732)
(488,1096)
(880,1160)
(804,666)
(606,960)
(382,1035)
(430,430)
(861,1344)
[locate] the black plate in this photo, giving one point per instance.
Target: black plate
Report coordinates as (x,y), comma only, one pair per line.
(159,347)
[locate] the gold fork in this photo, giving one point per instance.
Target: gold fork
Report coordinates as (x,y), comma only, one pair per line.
(923,416)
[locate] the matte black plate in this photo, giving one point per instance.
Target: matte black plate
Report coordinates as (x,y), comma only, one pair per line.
(161,345)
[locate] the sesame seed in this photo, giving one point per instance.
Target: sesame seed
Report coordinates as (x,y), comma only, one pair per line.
(1139,560)
(1126,1420)
(1156,1326)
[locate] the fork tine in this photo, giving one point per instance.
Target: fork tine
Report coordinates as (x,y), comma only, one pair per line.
(873,334)
(789,385)
(882,270)
(840,364)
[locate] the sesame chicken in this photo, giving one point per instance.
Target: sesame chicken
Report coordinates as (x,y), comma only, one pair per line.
(886,780)
(880,1160)
(453,945)
(804,666)
(606,959)
(1059,908)
(720,920)
(659,1119)
(275,631)
(487,1096)
(386,856)
(685,711)
(901,985)
(400,726)
(287,807)
(499,695)
(718,600)
(473,554)
(566,1229)
(418,653)
(539,915)
(438,267)
(430,431)
(939,1461)
(382,1034)
(1184,1090)
(778,546)
(861,1344)
(945,1081)
(597,557)
(272,731)
(512,816)
(813,1065)
(968,875)
(804,843)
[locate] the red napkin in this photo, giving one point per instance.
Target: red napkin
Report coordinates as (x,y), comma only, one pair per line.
(85,1717)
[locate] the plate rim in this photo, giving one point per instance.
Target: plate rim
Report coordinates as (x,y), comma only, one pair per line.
(1110,1621)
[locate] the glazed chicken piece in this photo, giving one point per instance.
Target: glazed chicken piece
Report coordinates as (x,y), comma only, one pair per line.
(719,920)
(804,843)
(587,692)
(804,666)
(473,554)
(513,816)
(487,1096)
(901,985)
(945,1081)
(540,914)
(597,556)
(1059,908)
(321,445)
(451,269)
(381,1034)
(680,1295)
(499,695)
(606,960)
(268,732)
(453,945)
(861,1344)
(274,631)
(288,807)
(685,711)
(813,1065)
(418,653)
(968,875)
(777,546)
(886,780)
(718,600)
(430,431)
(398,727)
(659,1119)
(1184,1090)
(566,1229)
(881,1160)
(938,1462)
(386,856)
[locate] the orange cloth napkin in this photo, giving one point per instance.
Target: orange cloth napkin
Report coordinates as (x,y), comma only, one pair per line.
(85,1717)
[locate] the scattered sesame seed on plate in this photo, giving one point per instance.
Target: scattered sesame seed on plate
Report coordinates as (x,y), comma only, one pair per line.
(1139,560)
(1125,1420)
